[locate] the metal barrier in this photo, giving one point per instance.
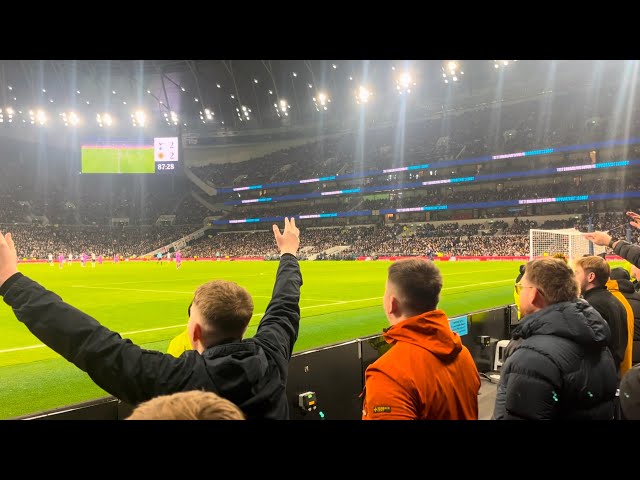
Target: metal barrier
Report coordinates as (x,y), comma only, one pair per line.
(333,375)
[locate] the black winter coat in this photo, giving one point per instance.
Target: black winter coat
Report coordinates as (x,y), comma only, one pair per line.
(559,367)
(615,314)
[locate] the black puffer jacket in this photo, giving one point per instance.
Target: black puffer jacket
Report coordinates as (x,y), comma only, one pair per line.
(559,367)
(629,252)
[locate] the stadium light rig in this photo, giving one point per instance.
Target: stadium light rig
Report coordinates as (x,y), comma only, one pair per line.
(404,82)
(503,63)
(138,118)
(70,118)
(282,108)
(104,119)
(320,101)
(246,111)
(363,94)
(40,117)
(451,71)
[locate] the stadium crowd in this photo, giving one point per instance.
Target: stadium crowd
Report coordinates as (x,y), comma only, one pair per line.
(38,242)
(489,238)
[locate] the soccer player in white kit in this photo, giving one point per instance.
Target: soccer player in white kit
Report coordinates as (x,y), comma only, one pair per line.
(50,257)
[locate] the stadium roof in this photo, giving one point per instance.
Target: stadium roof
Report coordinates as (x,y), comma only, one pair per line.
(192,88)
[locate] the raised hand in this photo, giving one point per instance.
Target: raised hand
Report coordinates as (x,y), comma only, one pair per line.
(8,257)
(289,240)
(598,238)
(635,217)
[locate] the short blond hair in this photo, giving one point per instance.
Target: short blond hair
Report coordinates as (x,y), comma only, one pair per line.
(226,308)
(554,278)
(561,256)
(193,405)
(598,266)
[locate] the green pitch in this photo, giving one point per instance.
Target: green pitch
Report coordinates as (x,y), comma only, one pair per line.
(118,160)
(147,303)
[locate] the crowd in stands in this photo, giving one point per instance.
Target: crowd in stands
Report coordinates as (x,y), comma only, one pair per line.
(489,238)
(38,242)
(245,244)
(499,238)
(531,125)
(441,196)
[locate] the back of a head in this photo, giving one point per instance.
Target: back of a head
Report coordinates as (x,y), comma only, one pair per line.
(561,256)
(226,308)
(620,273)
(418,282)
(554,278)
(598,266)
(193,405)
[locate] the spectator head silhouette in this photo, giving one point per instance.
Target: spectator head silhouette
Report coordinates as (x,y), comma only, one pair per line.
(192,405)
(220,312)
(413,287)
(546,281)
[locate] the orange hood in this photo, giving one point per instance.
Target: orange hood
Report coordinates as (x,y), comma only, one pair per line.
(429,330)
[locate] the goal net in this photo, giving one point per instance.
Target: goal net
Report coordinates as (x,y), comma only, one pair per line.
(569,241)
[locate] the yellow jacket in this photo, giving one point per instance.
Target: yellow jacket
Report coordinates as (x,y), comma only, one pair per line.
(516,295)
(180,344)
(612,286)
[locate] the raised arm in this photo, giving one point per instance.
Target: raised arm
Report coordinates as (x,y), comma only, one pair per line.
(117,365)
(279,326)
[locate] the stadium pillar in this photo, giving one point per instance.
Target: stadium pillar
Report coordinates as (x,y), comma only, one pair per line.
(590,229)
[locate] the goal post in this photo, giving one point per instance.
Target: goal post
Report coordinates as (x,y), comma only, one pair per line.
(568,241)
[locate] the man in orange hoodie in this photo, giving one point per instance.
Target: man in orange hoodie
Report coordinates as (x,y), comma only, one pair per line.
(427,374)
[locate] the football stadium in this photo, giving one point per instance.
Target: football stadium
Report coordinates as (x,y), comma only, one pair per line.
(145,206)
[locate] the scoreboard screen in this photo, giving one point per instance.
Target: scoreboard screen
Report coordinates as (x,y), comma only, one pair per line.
(142,155)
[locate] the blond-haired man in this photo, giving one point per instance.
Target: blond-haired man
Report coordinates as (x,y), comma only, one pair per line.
(250,372)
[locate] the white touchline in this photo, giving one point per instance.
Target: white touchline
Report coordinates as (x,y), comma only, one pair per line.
(130,289)
(257,314)
(141,290)
(167,280)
